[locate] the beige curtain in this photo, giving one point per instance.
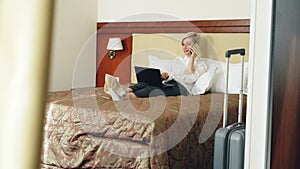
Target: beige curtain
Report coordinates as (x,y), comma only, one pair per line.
(25,31)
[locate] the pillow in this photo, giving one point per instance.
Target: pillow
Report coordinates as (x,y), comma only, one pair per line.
(164,65)
(205,81)
(234,81)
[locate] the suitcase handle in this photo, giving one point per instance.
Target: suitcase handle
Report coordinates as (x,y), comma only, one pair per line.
(234,51)
(227,55)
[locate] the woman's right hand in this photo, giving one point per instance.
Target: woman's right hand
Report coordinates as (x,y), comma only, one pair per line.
(193,53)
(165,75)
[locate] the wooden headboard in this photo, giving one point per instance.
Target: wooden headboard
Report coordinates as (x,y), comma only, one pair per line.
(124,30)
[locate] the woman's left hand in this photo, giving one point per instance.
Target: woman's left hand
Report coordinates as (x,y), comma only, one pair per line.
(165,75)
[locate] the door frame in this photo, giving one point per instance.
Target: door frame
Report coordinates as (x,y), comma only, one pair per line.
(258,117)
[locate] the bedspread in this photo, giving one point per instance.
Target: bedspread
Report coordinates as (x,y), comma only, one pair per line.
(86,129)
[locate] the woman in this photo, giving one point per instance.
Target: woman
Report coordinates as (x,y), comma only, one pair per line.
(185,72)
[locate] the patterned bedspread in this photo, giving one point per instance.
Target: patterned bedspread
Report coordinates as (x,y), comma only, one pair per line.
(86,129)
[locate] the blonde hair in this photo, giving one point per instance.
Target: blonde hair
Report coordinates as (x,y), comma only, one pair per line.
(196,39)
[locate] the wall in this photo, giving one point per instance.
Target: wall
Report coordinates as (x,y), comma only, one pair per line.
(73,44)
(114,10)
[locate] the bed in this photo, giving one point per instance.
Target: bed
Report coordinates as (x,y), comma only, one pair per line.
(84,128)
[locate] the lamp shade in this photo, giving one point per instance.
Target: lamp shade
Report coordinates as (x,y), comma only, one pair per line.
(114,44)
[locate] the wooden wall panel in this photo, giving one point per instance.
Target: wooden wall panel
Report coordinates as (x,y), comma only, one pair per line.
(207,26)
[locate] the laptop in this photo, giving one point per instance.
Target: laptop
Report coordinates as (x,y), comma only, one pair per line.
(151,76)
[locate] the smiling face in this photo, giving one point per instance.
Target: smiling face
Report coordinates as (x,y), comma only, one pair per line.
(187,44)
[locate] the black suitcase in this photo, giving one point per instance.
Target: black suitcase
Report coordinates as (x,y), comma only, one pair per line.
(229,142)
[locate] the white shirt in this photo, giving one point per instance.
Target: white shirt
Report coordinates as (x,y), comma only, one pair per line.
(179,71)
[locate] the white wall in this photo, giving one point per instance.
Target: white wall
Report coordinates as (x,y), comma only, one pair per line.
(74,24)
(114,10)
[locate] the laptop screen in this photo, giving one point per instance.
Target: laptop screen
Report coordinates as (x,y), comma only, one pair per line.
(150,76)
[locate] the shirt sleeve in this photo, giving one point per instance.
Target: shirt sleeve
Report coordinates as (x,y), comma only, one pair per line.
(179,71)
(200,68)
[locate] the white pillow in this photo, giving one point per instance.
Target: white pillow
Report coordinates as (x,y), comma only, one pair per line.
(234,81)
(164,65)
(205,81)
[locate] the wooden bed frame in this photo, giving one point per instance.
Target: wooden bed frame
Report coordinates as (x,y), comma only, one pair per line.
(124,30)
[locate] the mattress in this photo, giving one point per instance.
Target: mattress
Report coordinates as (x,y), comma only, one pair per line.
(85,129)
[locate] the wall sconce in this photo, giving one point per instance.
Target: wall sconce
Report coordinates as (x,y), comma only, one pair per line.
(113,45)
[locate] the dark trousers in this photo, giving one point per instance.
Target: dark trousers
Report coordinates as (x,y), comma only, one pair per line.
(144,90)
